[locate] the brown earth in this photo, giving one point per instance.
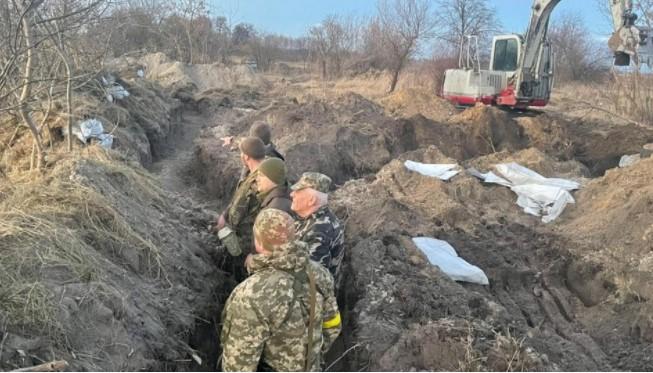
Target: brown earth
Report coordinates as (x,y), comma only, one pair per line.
(570,295)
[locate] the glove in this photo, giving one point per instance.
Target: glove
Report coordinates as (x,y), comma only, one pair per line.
(230,241)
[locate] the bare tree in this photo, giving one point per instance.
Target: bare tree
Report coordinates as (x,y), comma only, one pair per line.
(403,25)
(578,56)
(459,18)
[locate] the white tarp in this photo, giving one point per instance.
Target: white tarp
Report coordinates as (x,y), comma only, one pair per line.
(536,194)
(629,160)
(441,171)
(443,255)
(92,128)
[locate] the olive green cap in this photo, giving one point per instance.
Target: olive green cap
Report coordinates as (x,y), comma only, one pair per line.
(274,169)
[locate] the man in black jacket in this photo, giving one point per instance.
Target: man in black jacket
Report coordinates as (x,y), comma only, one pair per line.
(273,191)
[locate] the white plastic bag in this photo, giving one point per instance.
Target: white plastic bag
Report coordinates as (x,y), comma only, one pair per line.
(117,92)
(442,254)
(440,171)
(89,128)
(93,129)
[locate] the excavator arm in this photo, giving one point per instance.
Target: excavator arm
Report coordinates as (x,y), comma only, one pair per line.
(627,42)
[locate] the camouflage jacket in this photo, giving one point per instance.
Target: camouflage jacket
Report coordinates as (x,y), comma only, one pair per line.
(325,236)
(242,211)
(266,316)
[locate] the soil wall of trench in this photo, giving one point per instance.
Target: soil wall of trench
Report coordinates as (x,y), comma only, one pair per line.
(401,313)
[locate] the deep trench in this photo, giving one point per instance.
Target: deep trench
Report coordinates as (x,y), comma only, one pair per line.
(173,161)
(205,336)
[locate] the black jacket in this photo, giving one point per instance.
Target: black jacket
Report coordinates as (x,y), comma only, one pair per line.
(278,198)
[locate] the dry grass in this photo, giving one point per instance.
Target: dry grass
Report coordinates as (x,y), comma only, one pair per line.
(56,228)
(623,99)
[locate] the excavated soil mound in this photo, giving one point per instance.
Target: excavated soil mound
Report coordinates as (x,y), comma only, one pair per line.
(536,160)
(351,137)
(490,129)
(548,134)
(391,288)
(409,102)
(176,75)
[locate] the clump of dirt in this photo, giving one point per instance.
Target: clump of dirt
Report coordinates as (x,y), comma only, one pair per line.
(409,102)
(490,129)
(102,268)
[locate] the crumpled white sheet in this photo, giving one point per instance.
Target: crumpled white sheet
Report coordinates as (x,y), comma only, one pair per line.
(440,171)
(443,255)
(92,128)
(536,194)
(629,160)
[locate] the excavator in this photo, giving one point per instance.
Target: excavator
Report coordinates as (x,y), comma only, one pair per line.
(521,68)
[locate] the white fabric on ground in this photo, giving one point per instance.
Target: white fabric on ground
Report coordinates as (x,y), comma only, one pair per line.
(536,194)
(440,171)
(443,255)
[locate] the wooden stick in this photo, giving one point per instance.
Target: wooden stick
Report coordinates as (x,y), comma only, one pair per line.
(52,366)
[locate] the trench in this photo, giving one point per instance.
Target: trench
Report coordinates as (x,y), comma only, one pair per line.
(514,246)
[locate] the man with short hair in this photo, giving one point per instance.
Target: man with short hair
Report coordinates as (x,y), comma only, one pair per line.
(235,224)
(263,131)
(317,225)
(283,317)
(273,191)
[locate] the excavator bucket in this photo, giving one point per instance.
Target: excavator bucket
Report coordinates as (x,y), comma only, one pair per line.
(624,43)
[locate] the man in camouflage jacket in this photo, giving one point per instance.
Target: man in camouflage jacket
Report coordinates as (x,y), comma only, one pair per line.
(317,225)
(244,204)
(265,319)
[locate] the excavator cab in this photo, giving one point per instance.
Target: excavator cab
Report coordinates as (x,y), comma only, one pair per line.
(505,53)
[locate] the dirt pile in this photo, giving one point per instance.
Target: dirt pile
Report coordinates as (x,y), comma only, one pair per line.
(350,136)
(409,102)
(536,160)
(101,267)
(490,129)
(178,75)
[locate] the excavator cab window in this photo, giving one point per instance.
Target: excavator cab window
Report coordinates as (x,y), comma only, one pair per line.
(506,52)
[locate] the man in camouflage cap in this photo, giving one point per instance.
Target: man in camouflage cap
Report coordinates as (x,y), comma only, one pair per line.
(317,225)
(267,319)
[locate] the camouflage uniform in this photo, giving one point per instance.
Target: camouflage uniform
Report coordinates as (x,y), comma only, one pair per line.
(325,237)
(242,211)
(266,316)
(322,231)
